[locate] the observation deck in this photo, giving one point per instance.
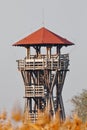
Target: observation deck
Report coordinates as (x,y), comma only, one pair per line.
(42,62)
(34,91)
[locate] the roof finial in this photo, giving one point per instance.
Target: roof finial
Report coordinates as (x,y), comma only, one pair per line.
(43,22)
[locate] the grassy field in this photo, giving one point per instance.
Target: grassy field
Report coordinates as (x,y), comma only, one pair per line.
(18,121)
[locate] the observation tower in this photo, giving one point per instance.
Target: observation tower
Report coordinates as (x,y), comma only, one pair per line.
(43,71)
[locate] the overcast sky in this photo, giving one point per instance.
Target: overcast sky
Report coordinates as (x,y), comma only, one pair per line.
(18,18)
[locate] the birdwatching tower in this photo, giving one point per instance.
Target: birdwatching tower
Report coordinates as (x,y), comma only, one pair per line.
(43,71)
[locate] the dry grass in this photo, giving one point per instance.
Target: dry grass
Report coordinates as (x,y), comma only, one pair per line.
(16,122)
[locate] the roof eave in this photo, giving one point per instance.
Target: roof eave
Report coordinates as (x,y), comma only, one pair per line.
(46,44)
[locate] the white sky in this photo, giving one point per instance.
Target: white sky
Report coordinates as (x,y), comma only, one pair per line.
(18,18)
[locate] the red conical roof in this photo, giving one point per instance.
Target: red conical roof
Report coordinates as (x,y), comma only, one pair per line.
(43,37)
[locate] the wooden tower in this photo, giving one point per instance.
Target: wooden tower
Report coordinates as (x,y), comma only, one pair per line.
(43,74)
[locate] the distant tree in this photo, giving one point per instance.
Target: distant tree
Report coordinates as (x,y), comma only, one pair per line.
(80,105)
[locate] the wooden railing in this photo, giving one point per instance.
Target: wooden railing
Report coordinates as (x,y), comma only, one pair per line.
(31,116)
(34,91)
(44,63)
